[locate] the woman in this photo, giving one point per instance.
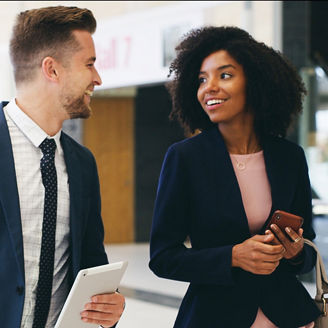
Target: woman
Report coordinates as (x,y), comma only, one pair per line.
(220,187)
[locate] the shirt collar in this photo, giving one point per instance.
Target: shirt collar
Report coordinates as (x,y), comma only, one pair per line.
(29,128)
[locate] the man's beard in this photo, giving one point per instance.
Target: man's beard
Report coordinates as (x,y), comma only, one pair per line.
(76,107)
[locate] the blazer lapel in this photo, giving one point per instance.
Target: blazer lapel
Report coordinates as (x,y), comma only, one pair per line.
(74,173)
(8,192)
(280,170)
(227,188)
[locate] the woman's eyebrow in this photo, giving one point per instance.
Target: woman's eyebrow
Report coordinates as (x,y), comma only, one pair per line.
(220,68)
(226,66)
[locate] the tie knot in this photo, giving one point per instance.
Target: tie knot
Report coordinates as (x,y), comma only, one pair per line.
(48,146)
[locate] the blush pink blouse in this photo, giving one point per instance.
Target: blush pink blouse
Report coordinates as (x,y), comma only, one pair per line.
(256,195)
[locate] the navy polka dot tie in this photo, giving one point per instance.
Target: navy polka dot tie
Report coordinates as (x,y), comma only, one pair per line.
(46,267)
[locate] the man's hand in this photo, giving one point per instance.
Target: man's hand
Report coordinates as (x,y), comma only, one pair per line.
(104,309)
(257,255)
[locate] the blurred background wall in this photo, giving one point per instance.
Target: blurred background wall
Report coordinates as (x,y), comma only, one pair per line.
(129,131)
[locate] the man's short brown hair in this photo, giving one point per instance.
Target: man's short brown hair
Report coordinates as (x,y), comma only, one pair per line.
(43,32)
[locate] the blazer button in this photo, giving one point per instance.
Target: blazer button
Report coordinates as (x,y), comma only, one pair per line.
(20,290)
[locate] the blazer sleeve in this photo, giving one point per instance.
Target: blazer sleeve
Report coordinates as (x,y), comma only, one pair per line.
(302,206)
(93,251)
(169,257)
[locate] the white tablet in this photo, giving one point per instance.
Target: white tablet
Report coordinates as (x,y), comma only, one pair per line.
(89,282)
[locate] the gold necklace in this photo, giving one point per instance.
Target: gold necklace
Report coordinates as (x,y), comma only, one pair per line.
(241,165)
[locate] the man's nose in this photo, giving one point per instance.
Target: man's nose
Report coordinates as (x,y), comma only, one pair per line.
(97,78)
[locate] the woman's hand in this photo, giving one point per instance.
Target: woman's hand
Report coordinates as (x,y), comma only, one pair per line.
(292,244)
(257,254)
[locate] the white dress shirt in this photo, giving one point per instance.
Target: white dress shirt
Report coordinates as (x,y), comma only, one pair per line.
(26,136)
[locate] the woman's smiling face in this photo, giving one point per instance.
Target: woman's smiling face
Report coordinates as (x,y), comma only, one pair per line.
(222,88)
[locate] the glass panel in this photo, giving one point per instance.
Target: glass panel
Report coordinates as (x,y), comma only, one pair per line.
(317,156)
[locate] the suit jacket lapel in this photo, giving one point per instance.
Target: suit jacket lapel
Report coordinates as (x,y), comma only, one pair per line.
(8,192)
(272,169)
(280,173)
(74,173)
(227,185)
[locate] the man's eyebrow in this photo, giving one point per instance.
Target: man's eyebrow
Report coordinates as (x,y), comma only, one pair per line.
(220,68)
(93,59)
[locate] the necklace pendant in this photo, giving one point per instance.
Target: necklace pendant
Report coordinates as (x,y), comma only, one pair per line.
(241,166)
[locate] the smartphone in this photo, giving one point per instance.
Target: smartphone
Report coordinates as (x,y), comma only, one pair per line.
(284,219)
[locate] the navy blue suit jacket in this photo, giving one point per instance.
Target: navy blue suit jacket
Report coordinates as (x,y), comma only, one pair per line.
(198,196)
(86,228)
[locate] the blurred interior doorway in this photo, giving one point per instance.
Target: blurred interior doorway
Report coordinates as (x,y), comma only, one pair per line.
(109,134)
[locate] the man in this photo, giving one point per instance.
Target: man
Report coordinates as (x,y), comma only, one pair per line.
(50,222)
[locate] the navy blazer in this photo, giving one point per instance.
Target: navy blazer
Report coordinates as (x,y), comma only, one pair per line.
(86,228)
(199,197)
